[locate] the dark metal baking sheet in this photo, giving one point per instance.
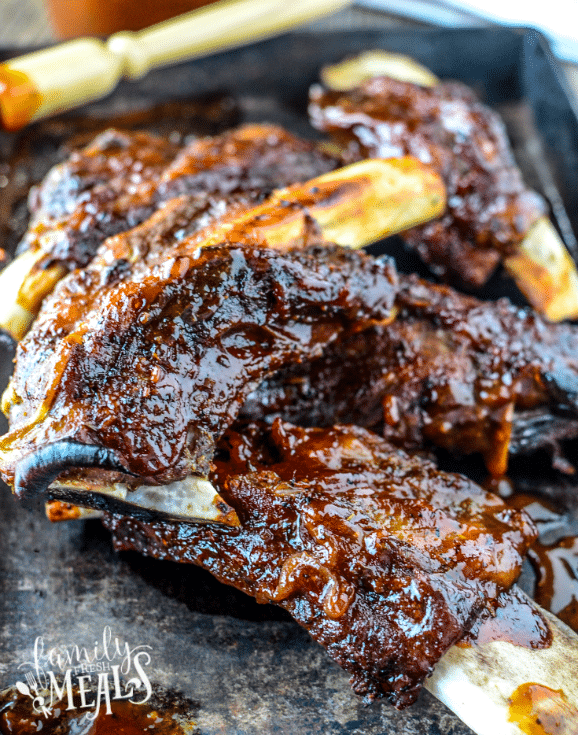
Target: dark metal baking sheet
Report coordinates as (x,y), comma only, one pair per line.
(247,668)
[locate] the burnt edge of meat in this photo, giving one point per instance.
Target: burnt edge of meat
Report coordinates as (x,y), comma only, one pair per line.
(489,208)
(368,548)
(155,366)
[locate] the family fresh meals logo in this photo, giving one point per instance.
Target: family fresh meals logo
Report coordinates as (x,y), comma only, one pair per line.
(86,678)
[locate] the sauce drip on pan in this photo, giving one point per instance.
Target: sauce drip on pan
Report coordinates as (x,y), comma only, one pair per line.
(539,710)
(17,716)
(557,585)
(556,563)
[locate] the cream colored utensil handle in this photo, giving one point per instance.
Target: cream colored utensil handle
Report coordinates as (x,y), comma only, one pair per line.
(65,76)
(226,24)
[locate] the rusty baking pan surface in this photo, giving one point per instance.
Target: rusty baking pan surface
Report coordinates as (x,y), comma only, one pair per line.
(231,665)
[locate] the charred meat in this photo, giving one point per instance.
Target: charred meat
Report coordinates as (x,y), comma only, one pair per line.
(490,210)
(450,371)
(385,560)
(191,318)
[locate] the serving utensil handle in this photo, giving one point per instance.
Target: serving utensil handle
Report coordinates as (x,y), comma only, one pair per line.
(73,73)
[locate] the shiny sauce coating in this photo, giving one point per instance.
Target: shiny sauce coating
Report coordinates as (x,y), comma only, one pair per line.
(555,561)
(155,362)
(514,620)
(121,178)
(489,208)
(539,710)
(385,560)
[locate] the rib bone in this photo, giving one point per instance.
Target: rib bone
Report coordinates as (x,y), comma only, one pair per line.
(540,264)
(545,272)
(479,682)
(324,291)
(343,489)
(482,683)
(193,499)
(23,286)
(352,206)
(350,73)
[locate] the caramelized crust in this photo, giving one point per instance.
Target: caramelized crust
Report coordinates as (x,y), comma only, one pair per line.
(154,360)
(452,371)
(95,193)
(254,157)
(121,178)
(382,558)
(489,209)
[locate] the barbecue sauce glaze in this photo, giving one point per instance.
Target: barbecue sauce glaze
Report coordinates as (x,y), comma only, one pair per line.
(384,559)
(121,178)
(514,620)
(489,207)
(539,710)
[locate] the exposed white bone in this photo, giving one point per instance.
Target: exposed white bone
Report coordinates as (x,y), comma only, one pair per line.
(22,288)
(192,499)
(478,683)
(352,72)
(545,272)
(353,206)
(14,318)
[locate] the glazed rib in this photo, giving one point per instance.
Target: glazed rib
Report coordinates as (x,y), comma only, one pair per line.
(154,365)
(490,210)
(450,371)
(382,558)
(121,179)
(148,363)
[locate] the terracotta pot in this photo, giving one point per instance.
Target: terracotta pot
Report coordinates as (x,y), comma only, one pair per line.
(72,18)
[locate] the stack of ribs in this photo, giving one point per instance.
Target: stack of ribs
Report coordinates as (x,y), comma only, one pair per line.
(489,207)
(492,217)
(300,381)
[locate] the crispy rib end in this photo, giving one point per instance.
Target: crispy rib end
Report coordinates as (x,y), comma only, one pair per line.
(545,272)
